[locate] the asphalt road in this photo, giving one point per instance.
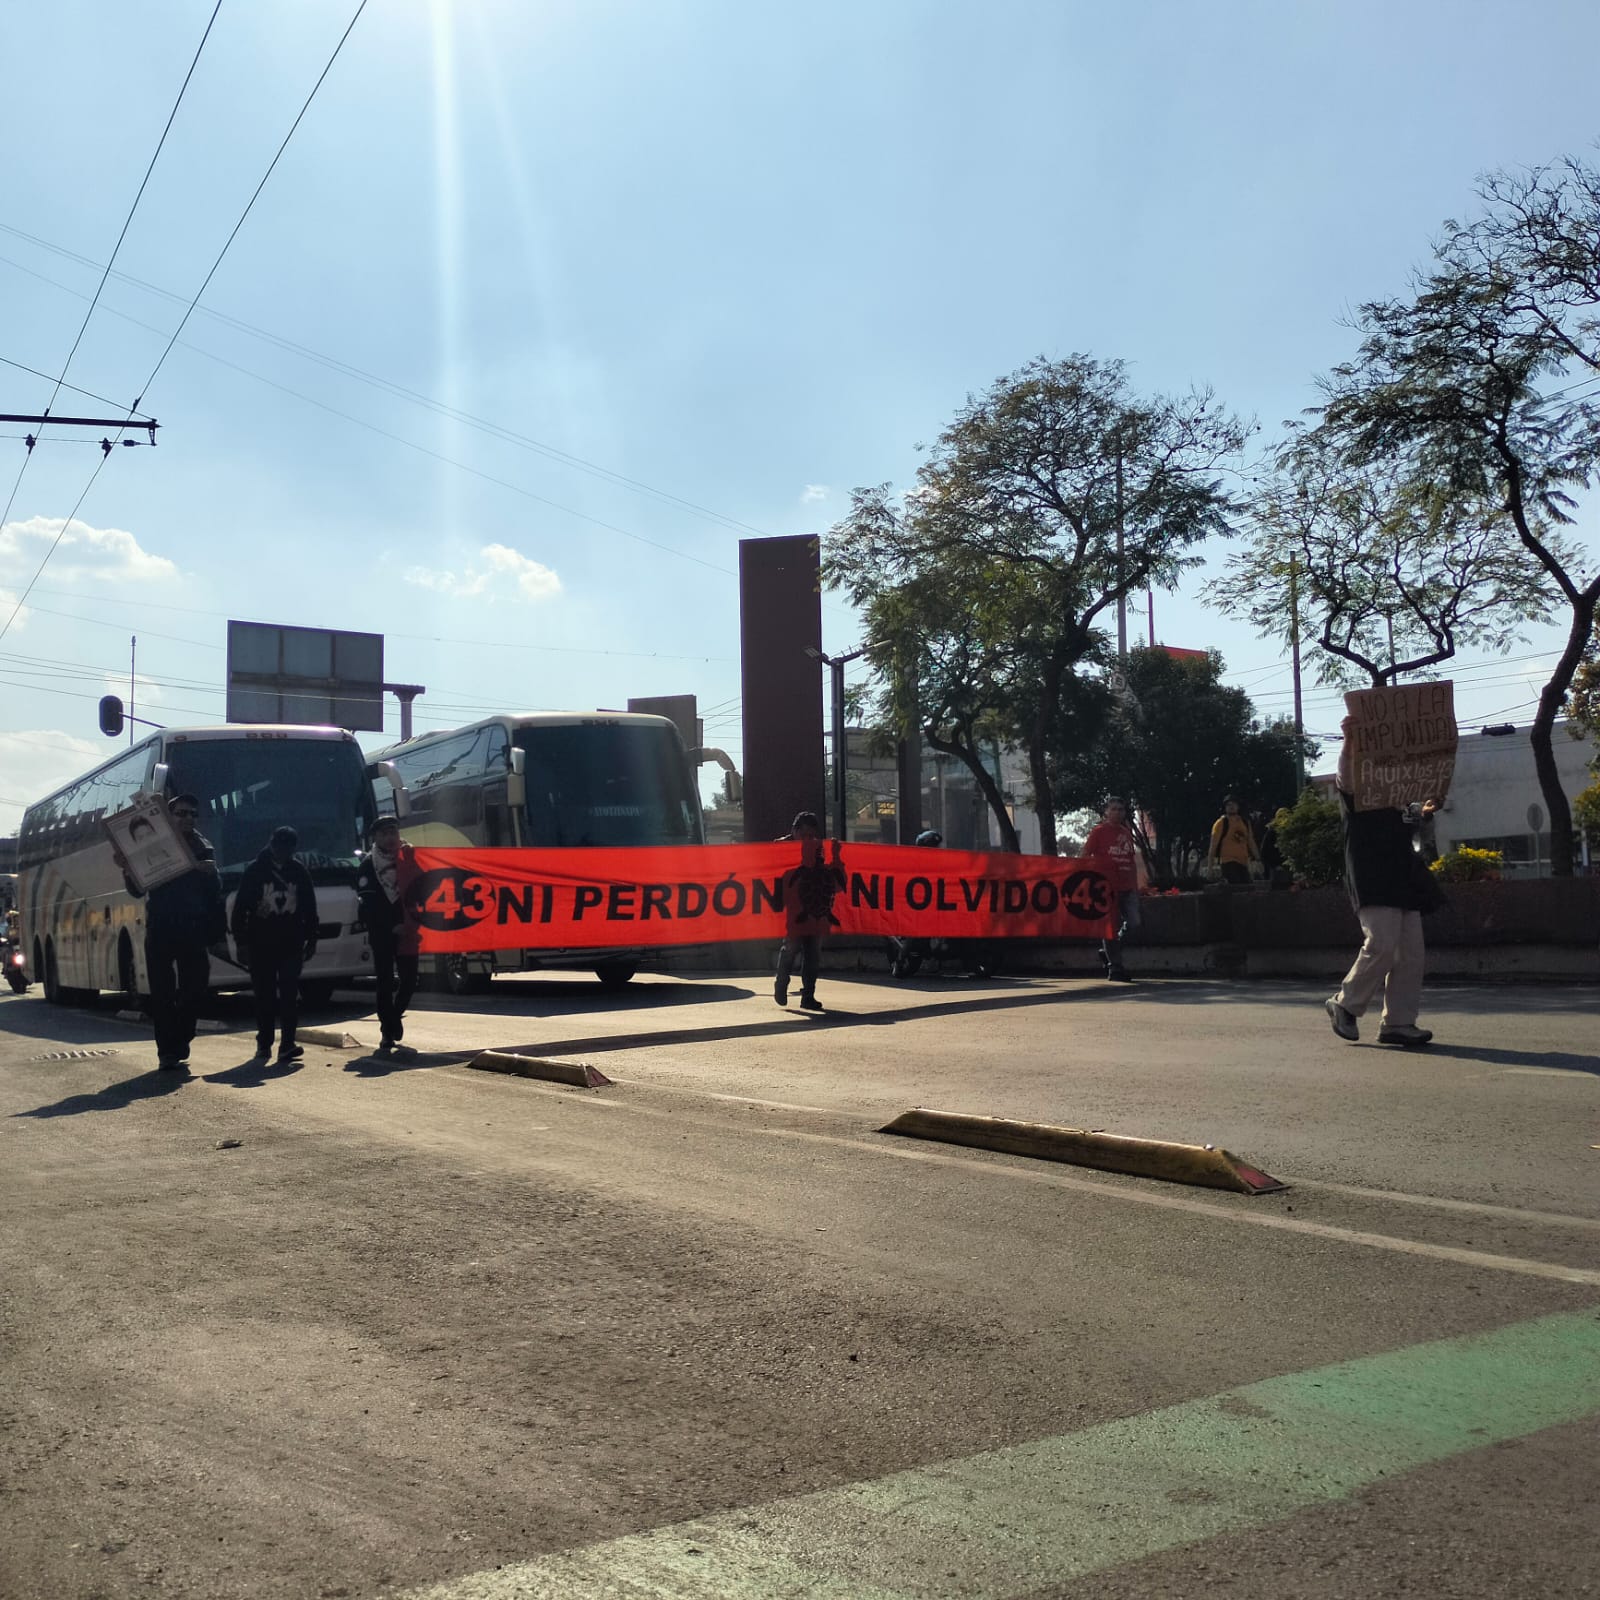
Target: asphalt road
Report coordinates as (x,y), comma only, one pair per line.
(394,1328)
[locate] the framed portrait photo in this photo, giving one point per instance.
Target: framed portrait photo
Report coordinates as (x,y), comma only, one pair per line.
(150,843)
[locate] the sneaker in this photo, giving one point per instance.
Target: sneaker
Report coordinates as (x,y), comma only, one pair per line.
(172,1064)
(1344,1022)
(809,1002)
(385,1048)
(781,996)
(291,1052)
(1119,975)
(263,1049)
(1410,1036)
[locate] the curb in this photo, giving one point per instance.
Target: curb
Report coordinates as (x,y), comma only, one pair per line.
(1202,1164)
(578,1073)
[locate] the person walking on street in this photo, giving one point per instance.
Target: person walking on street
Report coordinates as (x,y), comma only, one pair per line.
(275,929)
(383,913)
(1114,850)
(1233,844)
(1391,888)
(184,917)
(808,892)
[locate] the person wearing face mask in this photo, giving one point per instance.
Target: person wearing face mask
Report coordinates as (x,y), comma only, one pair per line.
(383,913)
(275,929)
(183,918)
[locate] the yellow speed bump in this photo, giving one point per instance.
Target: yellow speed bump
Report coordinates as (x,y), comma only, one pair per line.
(579,1073)
(1202,1164)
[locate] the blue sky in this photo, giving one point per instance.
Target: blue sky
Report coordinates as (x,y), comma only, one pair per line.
(746,256)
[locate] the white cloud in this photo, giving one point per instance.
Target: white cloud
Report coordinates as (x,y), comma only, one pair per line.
(497,569)
(147,691)
(814,492)
(34,762)
(84,552)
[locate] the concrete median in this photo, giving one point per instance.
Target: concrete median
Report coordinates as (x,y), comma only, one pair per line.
(1202,1164)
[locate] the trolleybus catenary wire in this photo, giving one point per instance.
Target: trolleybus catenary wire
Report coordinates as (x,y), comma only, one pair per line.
(138,399)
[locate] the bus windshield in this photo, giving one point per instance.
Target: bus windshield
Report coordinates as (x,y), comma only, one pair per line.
(597,783)
(248,787)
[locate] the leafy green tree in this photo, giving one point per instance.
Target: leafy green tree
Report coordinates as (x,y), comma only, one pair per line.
(1178,742)
(1478,378)
(1378,570)
(1045,501)
(1310,838)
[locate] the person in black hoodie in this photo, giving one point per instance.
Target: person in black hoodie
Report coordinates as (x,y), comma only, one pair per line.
(275,929)
(383,913)
(183,917)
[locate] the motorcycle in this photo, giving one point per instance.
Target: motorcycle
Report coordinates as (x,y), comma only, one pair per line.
(16,967)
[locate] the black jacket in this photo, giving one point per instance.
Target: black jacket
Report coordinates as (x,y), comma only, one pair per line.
(1382,867)
(382,916)
(276,905)
(188,907)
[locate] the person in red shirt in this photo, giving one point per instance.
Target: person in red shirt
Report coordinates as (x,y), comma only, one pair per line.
(1114,850)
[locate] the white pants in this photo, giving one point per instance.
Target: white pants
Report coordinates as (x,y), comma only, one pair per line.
(1391,955)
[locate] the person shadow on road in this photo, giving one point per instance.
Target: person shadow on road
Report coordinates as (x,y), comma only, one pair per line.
(151,1085)
(252,1074)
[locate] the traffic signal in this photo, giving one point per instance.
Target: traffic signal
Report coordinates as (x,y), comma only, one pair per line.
(110,715)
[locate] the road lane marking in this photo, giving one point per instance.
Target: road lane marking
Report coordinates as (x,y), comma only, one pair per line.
(1014,1521)
(1553,1219)
(1247,1213)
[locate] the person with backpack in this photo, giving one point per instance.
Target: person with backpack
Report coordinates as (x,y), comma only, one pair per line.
(275,930)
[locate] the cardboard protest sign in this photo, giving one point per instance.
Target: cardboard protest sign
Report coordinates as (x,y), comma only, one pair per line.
(510,899)
(1403,743)
(150,842)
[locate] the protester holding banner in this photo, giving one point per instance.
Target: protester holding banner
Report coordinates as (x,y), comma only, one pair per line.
(183,916)
(1391,888)
(394,943)
(1112,848)
(1233,844)
(808,892)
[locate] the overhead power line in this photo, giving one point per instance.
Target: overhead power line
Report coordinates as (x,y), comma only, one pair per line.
(271,165)
(400,391)
(144,388)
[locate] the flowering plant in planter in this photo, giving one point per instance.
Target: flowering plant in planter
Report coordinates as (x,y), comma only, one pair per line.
(1466,865)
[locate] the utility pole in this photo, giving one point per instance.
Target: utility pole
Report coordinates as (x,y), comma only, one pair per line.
(836,666)
(41,418)
(1122,598)
(1294,644)
(133,679)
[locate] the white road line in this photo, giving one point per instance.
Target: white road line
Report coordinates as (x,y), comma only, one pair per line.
(1553,1219)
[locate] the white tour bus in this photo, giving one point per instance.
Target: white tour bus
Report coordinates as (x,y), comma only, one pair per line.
(544,779)
(81,929)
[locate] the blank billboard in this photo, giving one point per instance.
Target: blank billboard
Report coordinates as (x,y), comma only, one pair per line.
(316,676)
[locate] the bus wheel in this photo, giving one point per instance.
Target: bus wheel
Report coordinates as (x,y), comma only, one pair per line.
(53,992)
(615,974)
(462,979)
(317,991)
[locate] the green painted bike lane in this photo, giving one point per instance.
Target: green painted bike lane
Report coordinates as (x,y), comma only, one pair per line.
(1009,1522)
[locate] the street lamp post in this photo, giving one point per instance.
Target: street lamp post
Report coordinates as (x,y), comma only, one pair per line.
(836,666)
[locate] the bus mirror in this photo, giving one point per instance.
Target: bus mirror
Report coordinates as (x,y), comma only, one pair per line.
(158,777)
(397,789)
(516,781)
(110,715)
(519,760)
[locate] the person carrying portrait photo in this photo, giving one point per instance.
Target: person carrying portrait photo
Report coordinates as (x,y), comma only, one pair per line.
(184,917)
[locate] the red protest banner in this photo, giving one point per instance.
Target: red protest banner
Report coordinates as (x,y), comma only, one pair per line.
(501,899)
